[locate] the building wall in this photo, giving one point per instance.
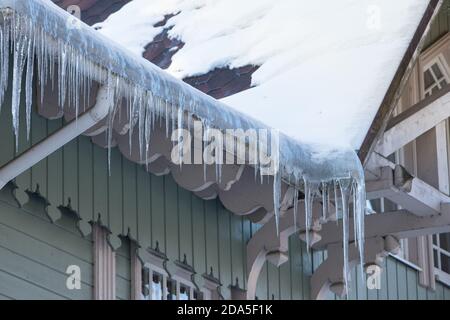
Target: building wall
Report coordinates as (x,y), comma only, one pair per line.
(131,202)
(35,254)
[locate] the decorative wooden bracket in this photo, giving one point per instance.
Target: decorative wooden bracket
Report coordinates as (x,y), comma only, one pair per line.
(266,245)
(329,275)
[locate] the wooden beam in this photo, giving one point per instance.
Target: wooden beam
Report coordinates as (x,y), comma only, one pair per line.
(401,224)
(409,192)
(401,76)
(412,125)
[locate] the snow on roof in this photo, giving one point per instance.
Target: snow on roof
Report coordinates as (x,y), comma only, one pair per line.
(325,65)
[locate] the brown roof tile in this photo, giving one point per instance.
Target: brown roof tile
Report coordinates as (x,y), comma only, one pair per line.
(218,83)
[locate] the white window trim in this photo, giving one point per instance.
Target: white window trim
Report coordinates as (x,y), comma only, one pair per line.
(155,261)
(211,287)
(443,66)
(406,262)
(441,275)
(183,274)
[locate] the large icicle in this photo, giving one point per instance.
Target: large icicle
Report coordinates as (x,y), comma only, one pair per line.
(20,48)
(345,187)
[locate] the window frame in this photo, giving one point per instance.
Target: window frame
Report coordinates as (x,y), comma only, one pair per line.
(440,274)
(155,261)
(440,61)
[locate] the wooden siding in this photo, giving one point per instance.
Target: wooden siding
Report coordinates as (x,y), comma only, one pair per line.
(138,205)
(35,254)
(440,26)
(123,271)
(135,204)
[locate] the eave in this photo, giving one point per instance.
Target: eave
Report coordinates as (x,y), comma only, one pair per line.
(402,74)
(297,160)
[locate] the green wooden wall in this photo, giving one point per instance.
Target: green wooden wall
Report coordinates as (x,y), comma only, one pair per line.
(135,204)
(34,252)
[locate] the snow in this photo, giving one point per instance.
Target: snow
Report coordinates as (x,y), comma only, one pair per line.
(325,65)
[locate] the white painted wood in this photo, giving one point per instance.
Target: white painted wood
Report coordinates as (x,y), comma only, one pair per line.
(426,261)
(442,157)
(136,273)
(401,224)
(414,126)
(411,193)
(104,266)
(329,275)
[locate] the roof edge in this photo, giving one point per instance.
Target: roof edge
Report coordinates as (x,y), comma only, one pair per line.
(398,83)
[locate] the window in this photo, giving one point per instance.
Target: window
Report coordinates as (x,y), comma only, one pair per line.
(182,286)
(158,284)
(435,76)
(154,277)
(211,287)
(152,283)
(441,253)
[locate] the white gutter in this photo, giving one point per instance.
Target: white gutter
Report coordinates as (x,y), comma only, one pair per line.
(43,149)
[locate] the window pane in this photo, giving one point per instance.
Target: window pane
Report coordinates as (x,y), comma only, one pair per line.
(445,263)
(443,83)
(171,290)
(145,280)
(428,79)
(436,262)
(376,205)
(198,295)
(437,71)
(184,292)
(444,239)
(435,89)
(157,289)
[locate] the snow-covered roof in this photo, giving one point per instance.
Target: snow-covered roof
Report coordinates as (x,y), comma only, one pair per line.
(325,65)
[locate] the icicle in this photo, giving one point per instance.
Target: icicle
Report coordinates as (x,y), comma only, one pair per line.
(19,50)
(255,154)
(277,199)
(345,187)
(310,190)
(324,201)
(354,212)
(148,127)
(205,138)
(29,84)
(142,124)
(134,103)
(4,51)
(361,212)
(180,135)
(167,118)
(336,201)
(295,208)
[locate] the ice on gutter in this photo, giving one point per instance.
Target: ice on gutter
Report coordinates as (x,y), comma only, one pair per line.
(38,29)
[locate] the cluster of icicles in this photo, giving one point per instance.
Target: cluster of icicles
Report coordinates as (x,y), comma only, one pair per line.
(33,49)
